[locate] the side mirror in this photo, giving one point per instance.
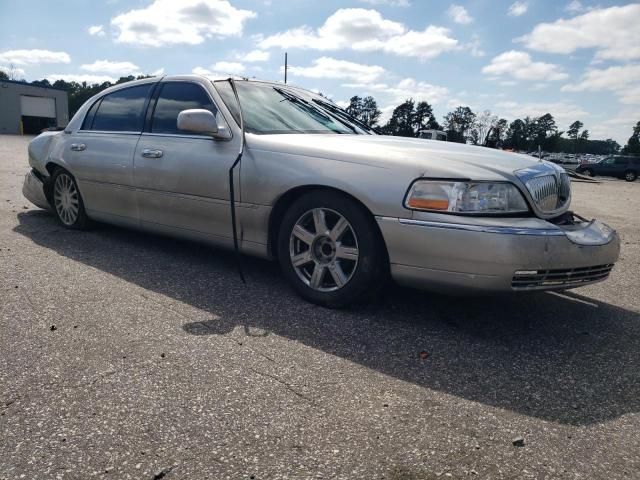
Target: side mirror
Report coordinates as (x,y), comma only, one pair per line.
(199,120)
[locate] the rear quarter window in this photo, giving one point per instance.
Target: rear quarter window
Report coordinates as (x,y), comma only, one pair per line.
(122,111)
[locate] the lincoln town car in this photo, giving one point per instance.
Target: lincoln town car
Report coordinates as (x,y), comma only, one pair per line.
(275,171)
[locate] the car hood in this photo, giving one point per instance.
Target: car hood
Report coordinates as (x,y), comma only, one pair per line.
(419,156)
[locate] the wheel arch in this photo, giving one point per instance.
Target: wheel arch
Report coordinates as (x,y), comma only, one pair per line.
(286,199)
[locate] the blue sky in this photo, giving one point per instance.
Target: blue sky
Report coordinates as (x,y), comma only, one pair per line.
(579,60)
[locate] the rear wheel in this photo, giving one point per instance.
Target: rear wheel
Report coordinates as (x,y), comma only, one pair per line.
(588,172)
(630,176)
(329,249)
(67,202)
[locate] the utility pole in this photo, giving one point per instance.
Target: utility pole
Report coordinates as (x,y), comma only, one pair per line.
(285,67)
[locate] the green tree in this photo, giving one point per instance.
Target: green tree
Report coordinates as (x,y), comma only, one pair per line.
(574,130)
(459,123)
(364,109)
(423,118)
(498,134)
(516,137)
(3,75)
(633,144)
(401,121)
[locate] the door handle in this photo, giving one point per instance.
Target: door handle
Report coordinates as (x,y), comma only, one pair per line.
(149,153)
(78,147)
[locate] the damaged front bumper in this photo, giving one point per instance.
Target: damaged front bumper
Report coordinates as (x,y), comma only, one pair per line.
(33,190)
(498,255)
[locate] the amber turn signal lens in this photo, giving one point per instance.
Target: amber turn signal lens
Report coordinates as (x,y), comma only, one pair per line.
(428,203)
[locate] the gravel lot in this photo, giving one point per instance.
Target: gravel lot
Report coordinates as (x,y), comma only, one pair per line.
(126,355)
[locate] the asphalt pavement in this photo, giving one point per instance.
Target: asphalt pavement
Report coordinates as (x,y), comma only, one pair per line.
(131,356)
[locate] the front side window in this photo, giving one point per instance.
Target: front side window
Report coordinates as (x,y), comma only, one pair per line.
(271,109)
(174,98)
(621,161)
(122,111)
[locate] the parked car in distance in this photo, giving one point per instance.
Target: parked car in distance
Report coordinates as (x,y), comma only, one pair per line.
(337,205)
(433,135)
(620,166)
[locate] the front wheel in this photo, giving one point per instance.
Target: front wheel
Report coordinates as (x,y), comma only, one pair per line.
(67,202)
(630,176)
(588,172)
(330,250)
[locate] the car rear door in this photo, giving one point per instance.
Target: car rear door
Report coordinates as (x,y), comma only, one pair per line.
(101,153)
(182,178)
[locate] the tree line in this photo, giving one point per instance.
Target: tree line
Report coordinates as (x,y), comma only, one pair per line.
(462,125)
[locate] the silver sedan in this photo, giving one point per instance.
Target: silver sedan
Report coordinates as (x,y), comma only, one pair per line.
(279,172)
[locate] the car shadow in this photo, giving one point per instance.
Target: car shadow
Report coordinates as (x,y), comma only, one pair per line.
(559,357)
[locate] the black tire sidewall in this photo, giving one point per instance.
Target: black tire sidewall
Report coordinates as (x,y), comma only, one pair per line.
(82,221)
(371,258)
(588,172)
(634,176)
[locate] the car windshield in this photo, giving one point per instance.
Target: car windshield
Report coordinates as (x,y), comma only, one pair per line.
(273,109)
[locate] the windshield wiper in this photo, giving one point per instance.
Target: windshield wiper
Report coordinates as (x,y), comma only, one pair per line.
(308,107)
(343,117)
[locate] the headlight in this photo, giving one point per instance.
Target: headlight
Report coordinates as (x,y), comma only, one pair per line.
(465,197)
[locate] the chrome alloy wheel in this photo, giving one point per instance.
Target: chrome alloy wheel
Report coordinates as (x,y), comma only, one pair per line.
(66,199)
(323,248)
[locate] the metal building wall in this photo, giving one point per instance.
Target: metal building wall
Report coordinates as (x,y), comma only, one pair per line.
(10,112)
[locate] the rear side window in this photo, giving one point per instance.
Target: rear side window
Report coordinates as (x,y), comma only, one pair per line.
(175,97)
(122,111)
(88,120)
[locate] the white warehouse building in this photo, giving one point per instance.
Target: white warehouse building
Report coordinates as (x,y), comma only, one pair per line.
(28,109)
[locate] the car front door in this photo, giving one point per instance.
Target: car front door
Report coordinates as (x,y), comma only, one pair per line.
(606,167)
(100,153)
(181,178)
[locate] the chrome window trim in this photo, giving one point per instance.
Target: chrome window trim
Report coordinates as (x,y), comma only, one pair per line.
(194,137)
(109,132)
(542,232)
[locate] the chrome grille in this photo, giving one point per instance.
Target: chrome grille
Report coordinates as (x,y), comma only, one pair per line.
(550,192)
(532,279)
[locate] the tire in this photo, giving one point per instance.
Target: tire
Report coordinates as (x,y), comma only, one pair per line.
(66,201)
(338,264)
(588,172)
(630,175)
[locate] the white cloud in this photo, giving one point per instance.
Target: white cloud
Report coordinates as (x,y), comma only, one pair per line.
(618,127)
(25,57)
(459,14)
(518,8)
(80,78)
(624,80)
(96,30)
(255,56)
(327,67)
(404,89)
(575,6)
(392,3)
(366,31)
(613,32)
(157,73)
(13,73)
(112,68)
(474,47)
(520,66)
(228,67)
(167,22)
